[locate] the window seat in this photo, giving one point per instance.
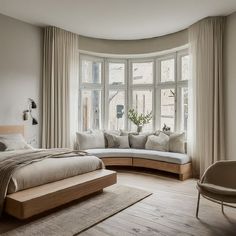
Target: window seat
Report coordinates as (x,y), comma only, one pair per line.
(178,163)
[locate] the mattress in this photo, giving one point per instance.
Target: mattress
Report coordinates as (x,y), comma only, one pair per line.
(51,170)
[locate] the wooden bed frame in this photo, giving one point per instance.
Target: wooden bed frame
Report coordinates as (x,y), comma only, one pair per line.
(30,202)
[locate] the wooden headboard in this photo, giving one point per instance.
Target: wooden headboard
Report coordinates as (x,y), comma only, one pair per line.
(12,129)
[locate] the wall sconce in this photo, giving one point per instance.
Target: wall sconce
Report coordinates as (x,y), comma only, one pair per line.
(27,113)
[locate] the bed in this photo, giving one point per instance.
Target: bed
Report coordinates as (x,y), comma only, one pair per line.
(45,179)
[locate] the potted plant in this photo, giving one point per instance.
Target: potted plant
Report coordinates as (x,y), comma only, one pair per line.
(139,119)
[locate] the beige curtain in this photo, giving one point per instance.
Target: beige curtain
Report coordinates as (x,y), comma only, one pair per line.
(206,136)
(60,87)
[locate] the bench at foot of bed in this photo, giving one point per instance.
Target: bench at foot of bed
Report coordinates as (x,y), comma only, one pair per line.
(33,201)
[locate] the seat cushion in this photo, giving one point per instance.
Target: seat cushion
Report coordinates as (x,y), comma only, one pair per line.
(170,157)
(217,193)
(111,152)
(217,189)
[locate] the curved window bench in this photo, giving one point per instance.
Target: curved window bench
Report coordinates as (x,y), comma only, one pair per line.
(177,163)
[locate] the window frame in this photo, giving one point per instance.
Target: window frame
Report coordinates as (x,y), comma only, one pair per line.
(128,87)
(91,86)
(108,87)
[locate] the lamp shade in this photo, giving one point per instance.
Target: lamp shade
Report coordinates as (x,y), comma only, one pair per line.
(33,105)
(34,121)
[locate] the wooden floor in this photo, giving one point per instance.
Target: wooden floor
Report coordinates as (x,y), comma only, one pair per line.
(169,211)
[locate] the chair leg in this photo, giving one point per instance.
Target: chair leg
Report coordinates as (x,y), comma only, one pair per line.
(222,207)
(198,202)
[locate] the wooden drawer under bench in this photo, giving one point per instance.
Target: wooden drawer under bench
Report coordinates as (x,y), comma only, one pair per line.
(183,170)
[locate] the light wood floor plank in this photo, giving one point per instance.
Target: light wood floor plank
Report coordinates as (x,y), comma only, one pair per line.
(169,211)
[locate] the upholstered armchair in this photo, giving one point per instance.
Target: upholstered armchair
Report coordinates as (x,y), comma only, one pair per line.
(218,184)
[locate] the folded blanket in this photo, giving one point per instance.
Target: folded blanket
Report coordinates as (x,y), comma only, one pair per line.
(11,161)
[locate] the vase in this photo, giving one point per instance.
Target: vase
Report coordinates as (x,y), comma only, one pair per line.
(139,128)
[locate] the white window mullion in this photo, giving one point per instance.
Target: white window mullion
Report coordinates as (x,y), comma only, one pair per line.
(176,94)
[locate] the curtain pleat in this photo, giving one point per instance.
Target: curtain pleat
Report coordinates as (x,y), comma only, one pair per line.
(206,136)
(60,88)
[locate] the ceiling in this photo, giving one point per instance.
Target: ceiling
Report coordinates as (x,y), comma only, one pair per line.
(116,19)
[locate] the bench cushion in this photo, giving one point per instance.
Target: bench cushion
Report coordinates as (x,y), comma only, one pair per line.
(171,157)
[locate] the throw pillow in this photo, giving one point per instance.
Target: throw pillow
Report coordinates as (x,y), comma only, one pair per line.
(137,141)
(159,143)
(108,139)
(126,133)
(90,140)
(121,141)
(177,142)
(117,141)
(3,147)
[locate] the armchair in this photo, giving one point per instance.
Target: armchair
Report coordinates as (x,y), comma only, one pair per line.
(218,184)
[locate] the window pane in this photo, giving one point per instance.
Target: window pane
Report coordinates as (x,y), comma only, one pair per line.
(185,68)
(116,73)
(169,122)
(142,73)
(184,109)
(168,70)
(168,108)
(142,103)
(91,72)
(116,103)
(91,109)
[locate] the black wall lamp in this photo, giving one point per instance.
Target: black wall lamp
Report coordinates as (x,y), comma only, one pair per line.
(27,113)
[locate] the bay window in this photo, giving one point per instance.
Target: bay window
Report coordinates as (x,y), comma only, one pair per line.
(109,87)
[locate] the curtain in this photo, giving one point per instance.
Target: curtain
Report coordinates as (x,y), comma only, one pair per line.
(206,137)
(60,88)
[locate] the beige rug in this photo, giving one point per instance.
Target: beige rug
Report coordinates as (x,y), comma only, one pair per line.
(78,217)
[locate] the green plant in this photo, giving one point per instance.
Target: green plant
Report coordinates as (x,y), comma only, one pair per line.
(139,119)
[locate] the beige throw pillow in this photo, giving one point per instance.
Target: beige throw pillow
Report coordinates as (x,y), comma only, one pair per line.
(90,140)
(177,142)
(159,143)
(109,143)
(121,141)
(3,147)
(116,141)
(137,141)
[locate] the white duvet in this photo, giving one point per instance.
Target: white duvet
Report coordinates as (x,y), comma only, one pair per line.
(51,170)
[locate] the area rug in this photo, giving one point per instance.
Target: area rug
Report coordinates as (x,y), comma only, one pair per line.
(80,216)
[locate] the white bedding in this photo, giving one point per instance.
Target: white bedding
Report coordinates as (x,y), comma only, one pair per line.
(51,170)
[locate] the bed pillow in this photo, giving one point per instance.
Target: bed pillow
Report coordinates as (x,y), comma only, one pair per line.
(137,141)
(94,139)
(14,142)
(177,142)
(158,142)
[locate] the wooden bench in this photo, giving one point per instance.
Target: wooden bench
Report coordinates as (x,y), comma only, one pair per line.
(30,202)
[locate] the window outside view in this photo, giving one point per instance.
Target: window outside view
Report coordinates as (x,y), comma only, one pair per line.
(142,73)
(168,108)
(116,101)
(168,70)
(107,92)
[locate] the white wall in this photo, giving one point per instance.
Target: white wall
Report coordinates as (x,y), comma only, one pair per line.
(230,86)
(20,73)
